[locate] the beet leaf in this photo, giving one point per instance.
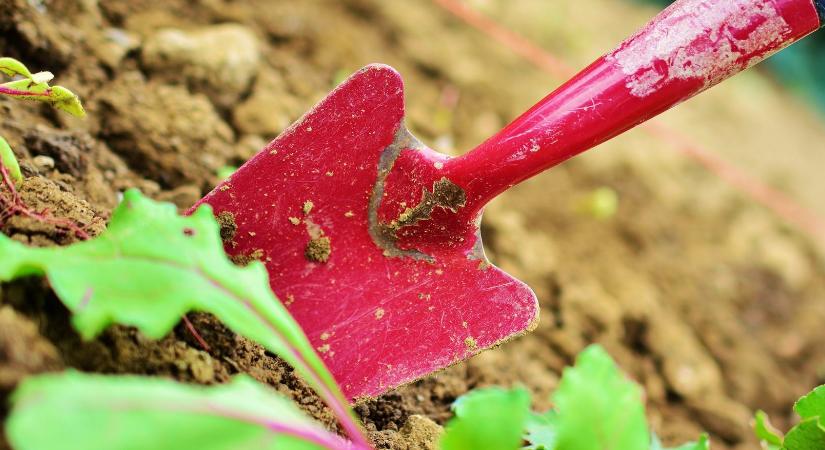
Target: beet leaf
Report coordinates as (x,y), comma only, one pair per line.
(76,411)
(596,408)
(491,418)
(151,266)
(702,444)
(808,434)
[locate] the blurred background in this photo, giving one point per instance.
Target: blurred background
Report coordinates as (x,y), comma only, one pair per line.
(693,250)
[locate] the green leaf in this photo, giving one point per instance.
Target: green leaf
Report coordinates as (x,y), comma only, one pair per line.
(8,160)
(75,411)
(812,404)
(226,172)
(809,434)
(13,67)
(66,100)
(766,432)
(541,431)
(598,408)
(702,444)
(491,418)
(58,96)
(151,266)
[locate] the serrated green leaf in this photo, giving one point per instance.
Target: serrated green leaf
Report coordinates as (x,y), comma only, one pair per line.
(597,407)
(151,266)
(13,67)
(702,444)
(766,432)
(812,404)
(487,419)
(809,434)
(541,431)
(9,161)
(75,411)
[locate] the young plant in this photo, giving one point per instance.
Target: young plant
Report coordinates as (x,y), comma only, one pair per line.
(596,408)
(808,434)
(30,87)
(150,267)
(36,87)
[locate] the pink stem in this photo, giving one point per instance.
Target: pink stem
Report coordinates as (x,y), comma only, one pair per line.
(194,332)
(18,93)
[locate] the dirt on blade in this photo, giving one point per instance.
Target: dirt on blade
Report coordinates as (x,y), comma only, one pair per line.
(707,300)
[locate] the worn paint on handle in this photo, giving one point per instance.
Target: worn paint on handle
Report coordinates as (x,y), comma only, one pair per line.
(707,41)
(689,47)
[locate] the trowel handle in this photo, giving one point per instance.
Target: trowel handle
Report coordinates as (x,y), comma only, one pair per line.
(689,47)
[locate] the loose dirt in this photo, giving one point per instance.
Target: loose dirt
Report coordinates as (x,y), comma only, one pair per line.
(704,298)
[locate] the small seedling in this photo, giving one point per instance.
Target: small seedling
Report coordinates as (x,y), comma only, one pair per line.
(808,434)
(596,408)
(36,87)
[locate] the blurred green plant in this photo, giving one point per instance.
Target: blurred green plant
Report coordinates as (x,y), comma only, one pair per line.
(150,267)
(226,172)
(596,408)
(808,434)
(601,203)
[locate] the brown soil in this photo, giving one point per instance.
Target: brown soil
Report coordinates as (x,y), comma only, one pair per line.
(319,249)
(704,298)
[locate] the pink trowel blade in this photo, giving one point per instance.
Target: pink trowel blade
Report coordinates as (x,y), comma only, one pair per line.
(371,239)
(307,206)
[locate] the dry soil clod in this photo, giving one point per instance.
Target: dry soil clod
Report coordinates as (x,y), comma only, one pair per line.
(226,220)
(319,249)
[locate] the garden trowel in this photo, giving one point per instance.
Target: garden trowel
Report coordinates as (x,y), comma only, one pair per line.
(372,239)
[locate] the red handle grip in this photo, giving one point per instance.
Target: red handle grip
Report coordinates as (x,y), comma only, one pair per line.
(689,47)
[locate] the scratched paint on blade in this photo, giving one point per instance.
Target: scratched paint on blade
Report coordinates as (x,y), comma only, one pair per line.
(679,46)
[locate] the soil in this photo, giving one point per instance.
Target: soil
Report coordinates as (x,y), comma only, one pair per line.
(319,249)
(706,299)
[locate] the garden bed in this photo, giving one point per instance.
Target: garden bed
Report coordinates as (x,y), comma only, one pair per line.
(707,300)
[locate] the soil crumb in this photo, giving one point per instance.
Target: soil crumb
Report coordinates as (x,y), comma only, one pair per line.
(418,433)
(319,249)
(243,259)
(308,205)
(226,220)
(445,194)
(23,351)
